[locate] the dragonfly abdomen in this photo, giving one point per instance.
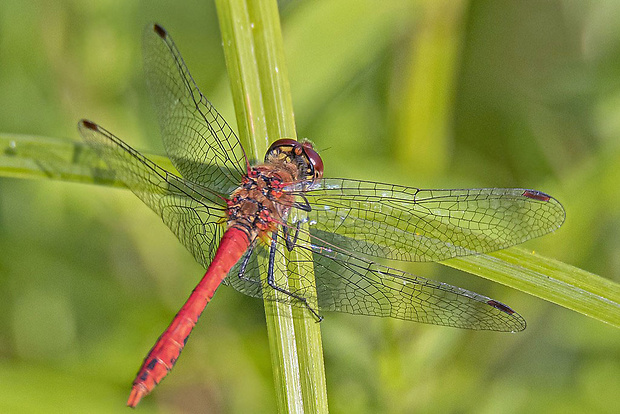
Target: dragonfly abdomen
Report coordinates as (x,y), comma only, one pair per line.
(166,351)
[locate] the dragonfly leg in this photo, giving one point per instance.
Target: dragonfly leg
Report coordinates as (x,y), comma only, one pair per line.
(290,243)
(244,265)
(305,206)
(271,282)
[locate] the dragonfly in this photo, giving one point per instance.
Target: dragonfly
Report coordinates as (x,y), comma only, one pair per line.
(241,221)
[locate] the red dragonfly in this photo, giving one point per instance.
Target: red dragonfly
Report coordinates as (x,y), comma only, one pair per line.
(240,220)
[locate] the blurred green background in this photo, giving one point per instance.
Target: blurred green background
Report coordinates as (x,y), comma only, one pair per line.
(421,93)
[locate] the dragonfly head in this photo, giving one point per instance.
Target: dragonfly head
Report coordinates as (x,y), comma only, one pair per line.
(308,161)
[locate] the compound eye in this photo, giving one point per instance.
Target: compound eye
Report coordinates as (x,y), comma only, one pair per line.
(299,148)
(284,142)
(315,160)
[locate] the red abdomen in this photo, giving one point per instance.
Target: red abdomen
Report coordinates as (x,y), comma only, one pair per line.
(166,351)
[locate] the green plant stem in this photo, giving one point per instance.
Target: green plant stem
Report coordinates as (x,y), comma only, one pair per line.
(254,54)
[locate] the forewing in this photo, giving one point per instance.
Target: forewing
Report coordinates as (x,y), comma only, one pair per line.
(410,224)
(194,213)
(193,132)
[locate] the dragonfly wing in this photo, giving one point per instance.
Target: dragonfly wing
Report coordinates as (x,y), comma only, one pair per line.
(348,283)
(410,224)
(351,284)
(193,132)
(194,213)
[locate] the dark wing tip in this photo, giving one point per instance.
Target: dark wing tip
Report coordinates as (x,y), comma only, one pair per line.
(89,125)
(161,32)
(558,212)
(518,323)
(499,305)
(536,195)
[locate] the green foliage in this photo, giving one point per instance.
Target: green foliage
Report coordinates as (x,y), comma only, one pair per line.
(432,94)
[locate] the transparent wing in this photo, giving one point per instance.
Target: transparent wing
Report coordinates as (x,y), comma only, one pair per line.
(193,132)
(410,224)
(348,283)
(194,213)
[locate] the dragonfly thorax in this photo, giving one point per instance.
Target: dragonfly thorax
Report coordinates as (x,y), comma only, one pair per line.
(259,204)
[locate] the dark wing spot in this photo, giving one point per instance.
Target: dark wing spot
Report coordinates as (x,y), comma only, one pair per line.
(161,32)
(90,125)
(536,195)
(501,306)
